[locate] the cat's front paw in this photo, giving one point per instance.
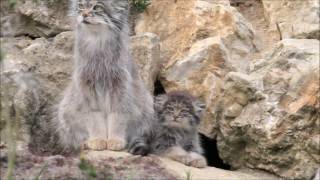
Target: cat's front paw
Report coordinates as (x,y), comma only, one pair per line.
(97,144)
(184,159)
(198,161)
(116,144)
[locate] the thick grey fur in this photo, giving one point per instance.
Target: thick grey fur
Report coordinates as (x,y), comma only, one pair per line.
(106,97)
(169,133)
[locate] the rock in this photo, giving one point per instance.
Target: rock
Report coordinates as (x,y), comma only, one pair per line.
(35,18)
(113,165)
(295,19)
(201,73)
(201,41)
(34,74)
(180,24)
(145,50)
(277,129)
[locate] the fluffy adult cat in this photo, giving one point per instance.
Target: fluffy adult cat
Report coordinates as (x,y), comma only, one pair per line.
(175,135)
(106,106)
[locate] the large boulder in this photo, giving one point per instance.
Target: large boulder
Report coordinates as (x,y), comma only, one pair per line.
(294,19)
(201,72)
(201,41)
(180,24)
(269,119)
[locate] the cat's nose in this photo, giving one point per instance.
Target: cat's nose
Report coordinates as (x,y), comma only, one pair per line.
(85,13)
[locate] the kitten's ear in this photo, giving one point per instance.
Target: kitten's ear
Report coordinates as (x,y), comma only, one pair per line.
(159,101)
(199,108)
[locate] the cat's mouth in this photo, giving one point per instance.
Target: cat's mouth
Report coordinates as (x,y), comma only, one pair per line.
(85,21)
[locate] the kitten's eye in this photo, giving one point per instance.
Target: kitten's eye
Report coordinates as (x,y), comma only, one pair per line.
(98,8)
(169,108)
(80,6)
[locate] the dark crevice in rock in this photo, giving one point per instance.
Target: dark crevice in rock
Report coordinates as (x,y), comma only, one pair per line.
(211,153)
(158,88)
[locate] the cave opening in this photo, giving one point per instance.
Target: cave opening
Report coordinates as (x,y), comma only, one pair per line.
(158,88)
(211,153)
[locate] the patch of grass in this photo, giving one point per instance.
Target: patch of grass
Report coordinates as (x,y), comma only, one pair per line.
(12,3)
(140,5)
(88,169)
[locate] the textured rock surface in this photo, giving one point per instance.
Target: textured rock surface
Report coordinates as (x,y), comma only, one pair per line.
(145,50)
(295,19)
(113,165)
(200,42)
(180,24)
(34,18)
(274,123)
(201,72)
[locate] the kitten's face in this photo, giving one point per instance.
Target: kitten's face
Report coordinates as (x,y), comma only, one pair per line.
(178,114)
(103,13)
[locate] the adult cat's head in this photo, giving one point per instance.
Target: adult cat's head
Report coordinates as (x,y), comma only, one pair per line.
(179,110)
(101,14)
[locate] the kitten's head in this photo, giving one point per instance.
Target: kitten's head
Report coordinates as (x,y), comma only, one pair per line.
(179,110)
(101,13)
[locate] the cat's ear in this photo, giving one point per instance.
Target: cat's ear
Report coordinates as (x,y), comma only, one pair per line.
(199,108)
(121,5)
(159,101)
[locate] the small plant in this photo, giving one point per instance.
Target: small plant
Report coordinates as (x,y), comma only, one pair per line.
(188,175)
(12,3)
(41,171)
(88,169)
(140,5)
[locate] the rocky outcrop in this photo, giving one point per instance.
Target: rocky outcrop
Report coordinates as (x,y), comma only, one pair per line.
(180,24)
(295,19)
(269,118)
(264,113)
(113,165)
(35,18)
(201,41)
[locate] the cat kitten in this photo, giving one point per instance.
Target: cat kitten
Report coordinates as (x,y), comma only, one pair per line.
(176,135)
(106,106)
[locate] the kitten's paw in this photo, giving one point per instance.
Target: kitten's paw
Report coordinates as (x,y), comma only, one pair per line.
(184,159)
(116,144)
(97,144)
(198,162)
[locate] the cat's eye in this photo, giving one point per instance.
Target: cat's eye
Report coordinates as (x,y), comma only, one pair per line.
(98,8)
(80,6)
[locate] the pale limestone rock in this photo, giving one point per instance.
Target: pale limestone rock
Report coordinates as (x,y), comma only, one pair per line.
(295,19)
(178,170)
(201,73)
(180,24)
(278,129)
(145,50)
